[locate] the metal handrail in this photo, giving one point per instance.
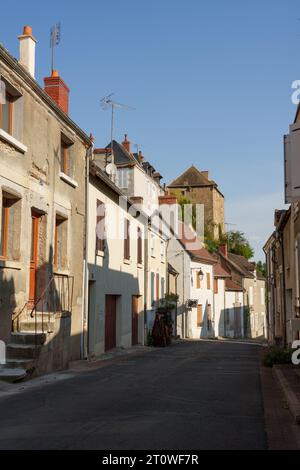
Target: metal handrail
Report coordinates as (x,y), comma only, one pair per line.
(57,295)
(17,316)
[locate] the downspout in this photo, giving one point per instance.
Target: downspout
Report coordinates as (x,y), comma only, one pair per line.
(283,287)
(146,282)
(85,303)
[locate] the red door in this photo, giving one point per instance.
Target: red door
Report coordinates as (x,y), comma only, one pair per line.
(110,322)
(135,320)
(33,259)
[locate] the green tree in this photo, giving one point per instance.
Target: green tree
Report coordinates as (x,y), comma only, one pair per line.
(262,268)
(238,244)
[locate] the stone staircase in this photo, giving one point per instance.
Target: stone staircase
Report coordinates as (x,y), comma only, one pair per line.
(24,348)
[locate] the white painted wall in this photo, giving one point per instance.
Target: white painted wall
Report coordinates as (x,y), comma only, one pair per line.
(219,308)
(231,300)
(205,297)
(112,275)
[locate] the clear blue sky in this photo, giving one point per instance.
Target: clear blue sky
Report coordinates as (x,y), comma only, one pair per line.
(210,81)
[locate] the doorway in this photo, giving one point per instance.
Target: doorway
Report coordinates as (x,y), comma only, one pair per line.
(35,221)
(135,320)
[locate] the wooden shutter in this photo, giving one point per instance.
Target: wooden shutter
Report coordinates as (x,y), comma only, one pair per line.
(157,287)
(126,239)
(199,316)
(198,284)
(100,227)
(216,286)
(139,246)
(208,280)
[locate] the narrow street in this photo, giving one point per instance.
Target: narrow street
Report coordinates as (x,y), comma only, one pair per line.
(193,395)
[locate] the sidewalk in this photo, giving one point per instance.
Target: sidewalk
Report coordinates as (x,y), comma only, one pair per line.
(282,431)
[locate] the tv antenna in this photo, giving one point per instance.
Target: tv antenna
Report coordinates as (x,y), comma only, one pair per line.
(108,102)
(55,35)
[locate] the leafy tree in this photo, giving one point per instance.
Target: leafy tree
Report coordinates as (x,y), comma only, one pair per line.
(238,244)
(262,268)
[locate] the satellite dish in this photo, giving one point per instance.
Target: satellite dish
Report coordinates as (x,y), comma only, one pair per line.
(111,169)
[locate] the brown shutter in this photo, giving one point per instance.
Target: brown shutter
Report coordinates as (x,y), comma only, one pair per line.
(100,227)
(199,315)
(198,280)
(208,280)
(157,287)
(139,246)
(126,239)
(216,285)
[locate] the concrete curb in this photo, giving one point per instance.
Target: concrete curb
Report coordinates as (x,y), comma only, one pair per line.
(290,396)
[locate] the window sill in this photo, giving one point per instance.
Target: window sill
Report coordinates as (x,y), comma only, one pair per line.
(100,253)
(67,179)
(140,266)
(6,264)
(12,141)
(61,272)
(127,261)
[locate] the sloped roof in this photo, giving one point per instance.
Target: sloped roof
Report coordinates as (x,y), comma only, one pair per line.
(192,177)
(220,272)
(172,270)
(230,285)
(188,238)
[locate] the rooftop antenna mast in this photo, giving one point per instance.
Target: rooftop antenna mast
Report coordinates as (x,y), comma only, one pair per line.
(108,102)
(55,35)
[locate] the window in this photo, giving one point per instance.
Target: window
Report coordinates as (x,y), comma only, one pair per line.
(4,228)
(10,227)
(126,239)
(6,112)
(198,280)
(208,281)
(66,159)
(216,286)
(152,245)
(139,246)
(123,178)
(61,242)
(199,316)
(152,288)
(162,251)
(100,226)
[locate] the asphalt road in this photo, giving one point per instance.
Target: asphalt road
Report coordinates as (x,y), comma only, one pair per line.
(193,395)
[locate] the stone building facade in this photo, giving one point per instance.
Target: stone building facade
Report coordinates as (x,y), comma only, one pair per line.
(196,186)
(42,217)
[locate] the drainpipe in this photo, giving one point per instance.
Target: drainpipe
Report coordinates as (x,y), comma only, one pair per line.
(85,303)
(146,281)
(280,238)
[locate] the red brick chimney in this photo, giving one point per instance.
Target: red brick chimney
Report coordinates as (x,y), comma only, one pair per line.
(58,90)
(224,249)
(126,143)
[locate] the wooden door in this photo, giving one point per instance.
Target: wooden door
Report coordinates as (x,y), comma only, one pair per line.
(135,320)
(110,322)
(33,259)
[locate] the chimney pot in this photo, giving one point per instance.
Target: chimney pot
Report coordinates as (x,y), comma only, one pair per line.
(27,50)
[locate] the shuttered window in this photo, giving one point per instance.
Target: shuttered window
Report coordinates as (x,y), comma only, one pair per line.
(216,286)
(126,239)
(100,226)
(198,282)
(139,246)
(208,281)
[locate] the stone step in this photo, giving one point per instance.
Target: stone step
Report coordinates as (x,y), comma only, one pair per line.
(12,374)
(21,363)
(28,338)
(22,351)
(26,326)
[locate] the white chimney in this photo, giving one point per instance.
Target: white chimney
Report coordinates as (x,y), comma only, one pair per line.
(27,50)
